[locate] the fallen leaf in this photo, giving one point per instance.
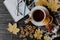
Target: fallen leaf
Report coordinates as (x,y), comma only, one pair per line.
(13,28)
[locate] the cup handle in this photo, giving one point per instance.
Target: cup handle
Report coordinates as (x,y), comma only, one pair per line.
(51,19)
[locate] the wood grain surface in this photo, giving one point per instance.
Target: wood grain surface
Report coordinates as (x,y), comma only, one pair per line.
(5,18)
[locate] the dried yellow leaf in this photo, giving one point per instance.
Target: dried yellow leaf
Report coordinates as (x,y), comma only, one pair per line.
(41,2)
(25,39)
(38,34)
(51,4)
(13,28)
(46,37)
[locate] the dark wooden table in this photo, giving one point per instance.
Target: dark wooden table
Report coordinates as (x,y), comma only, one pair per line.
(5,18)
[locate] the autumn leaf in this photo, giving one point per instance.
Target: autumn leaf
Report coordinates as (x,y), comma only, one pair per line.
(51,4)
(46,37)
(38,34)
(13,28)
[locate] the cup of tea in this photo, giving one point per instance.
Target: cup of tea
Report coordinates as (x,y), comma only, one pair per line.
(40,16)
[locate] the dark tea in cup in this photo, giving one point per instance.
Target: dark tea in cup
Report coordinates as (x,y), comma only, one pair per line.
(38,15)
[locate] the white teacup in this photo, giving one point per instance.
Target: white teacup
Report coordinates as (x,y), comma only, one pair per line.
(40,16)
